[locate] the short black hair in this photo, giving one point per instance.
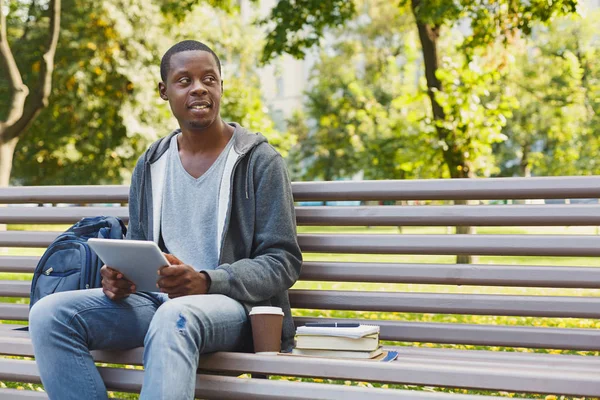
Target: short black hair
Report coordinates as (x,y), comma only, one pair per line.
(186,45)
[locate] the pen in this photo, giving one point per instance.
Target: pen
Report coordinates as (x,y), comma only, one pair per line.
(332,325)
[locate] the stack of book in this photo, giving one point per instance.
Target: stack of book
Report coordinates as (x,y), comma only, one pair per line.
(339,341)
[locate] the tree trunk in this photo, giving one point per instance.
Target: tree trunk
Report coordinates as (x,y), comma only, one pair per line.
(6,156)
(23,108)
(453,156)
(525,165)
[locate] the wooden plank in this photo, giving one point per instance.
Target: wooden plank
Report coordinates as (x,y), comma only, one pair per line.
(508,358)
(481,335)
(453,274)
(417,189)
(504,369)
(475,304)
(515,245)
(412,371)
(536,306)
(27,238)
(19,264)
(513,215)
(57,215)
(14,312)
(470,334)
(9,394)
(12,288)
(18,343)
(523,245)
(443,274)
(76,194)
(224,387)
(538,380)
(451,189)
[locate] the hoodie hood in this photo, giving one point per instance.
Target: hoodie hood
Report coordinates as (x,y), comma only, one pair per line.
(244,141)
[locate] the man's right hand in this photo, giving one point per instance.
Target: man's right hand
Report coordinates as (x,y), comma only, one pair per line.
(114,285)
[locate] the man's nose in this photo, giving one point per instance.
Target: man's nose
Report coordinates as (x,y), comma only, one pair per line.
(198,88)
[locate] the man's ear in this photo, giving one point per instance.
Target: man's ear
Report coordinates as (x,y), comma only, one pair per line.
(162,90)
(221,87)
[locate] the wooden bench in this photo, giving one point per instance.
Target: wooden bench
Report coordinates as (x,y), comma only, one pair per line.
(403,277)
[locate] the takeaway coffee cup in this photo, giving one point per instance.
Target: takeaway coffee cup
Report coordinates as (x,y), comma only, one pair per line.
(266,329)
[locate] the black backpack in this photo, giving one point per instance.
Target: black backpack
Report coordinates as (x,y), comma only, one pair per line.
(69,263)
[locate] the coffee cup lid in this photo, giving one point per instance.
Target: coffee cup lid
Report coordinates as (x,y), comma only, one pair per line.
(266,310)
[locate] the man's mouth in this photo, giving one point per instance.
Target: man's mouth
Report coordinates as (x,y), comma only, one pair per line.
(200,105)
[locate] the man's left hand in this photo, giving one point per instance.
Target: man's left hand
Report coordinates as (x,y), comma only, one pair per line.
(179,279)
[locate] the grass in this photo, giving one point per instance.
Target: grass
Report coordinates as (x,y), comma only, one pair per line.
(413,288)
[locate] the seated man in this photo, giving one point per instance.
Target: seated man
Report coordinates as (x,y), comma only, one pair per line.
(219,200)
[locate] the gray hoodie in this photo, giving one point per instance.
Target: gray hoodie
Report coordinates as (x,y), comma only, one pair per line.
(259,255)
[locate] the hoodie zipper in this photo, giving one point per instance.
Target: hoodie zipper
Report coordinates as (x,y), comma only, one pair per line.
(228,215)
(247,171)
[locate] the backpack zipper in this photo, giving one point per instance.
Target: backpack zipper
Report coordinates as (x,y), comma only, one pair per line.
(49,272)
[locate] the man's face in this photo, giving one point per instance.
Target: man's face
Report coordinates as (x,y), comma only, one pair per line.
(193,89)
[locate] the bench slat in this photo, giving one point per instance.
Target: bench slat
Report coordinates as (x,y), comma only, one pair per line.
(23,264)
(14,312)
(418,189)
(516,245)
(534,306)
(541,379)
(523,245)
(453,274)
(9,394)
(513,215)
(57,215)
(13,288)
(76,194)
(223,387)
(448,274)
(18,343)
(534,376)
(444,274)
(476,304)
(483,335)
(451,189)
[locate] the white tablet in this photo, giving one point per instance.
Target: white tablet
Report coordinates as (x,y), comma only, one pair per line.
(137,260)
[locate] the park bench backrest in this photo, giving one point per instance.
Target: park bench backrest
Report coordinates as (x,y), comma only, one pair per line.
(95,200)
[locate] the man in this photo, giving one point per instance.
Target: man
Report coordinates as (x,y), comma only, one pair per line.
(219,200)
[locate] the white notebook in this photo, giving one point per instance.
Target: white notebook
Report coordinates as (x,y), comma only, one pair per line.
(353,332)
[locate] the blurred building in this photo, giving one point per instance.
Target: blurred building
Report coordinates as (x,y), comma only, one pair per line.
(285,79)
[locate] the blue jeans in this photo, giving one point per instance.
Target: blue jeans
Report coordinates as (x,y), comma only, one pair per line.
(65,326)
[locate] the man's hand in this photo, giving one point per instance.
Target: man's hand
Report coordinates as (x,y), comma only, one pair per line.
(179,279)
(114,285)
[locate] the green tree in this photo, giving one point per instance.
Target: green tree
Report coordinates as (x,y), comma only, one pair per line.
(365,109)
(22,108)
(299,24)
(104,107)
(553,130)
(101,108)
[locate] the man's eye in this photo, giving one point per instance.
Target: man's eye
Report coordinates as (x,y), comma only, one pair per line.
(184,80)
(210,79)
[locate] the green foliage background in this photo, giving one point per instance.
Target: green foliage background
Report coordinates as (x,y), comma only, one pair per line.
(520,86)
